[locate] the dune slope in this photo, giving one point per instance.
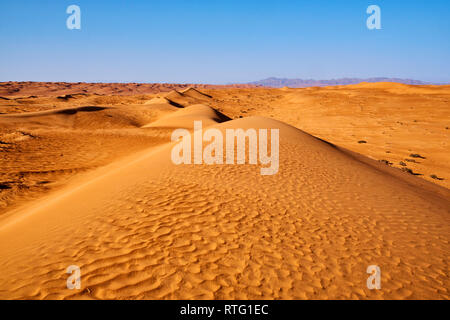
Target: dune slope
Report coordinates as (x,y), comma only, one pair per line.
(146,228)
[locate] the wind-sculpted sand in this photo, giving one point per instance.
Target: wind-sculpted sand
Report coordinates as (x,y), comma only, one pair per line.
(141,227)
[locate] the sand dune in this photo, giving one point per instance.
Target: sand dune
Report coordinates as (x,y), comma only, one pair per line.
(24,89)
(194,93)
(385,121)
(141,227)
(41,151)
(184,118)
(163,101)
(186,97)
(156,230)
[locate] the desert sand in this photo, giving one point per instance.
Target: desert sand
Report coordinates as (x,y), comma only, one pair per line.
(87,180)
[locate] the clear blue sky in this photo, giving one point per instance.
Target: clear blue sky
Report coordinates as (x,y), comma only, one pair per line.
(223,41)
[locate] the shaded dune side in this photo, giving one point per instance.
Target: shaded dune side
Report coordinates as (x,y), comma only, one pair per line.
(181,99)
(194,93)
(163,101)
(146,228)
(54,112)
(184,118)
(89,117)
(187,97)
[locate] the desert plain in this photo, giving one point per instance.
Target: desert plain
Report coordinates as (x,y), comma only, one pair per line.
(87,179)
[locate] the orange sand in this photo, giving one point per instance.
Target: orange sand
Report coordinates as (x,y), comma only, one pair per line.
(88,181)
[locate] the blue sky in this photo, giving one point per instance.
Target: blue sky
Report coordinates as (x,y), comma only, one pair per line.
(223,41)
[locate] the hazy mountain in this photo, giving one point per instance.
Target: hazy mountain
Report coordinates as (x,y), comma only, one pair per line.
(301,83)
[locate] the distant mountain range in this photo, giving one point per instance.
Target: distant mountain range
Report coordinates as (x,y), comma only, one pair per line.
(302,83)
